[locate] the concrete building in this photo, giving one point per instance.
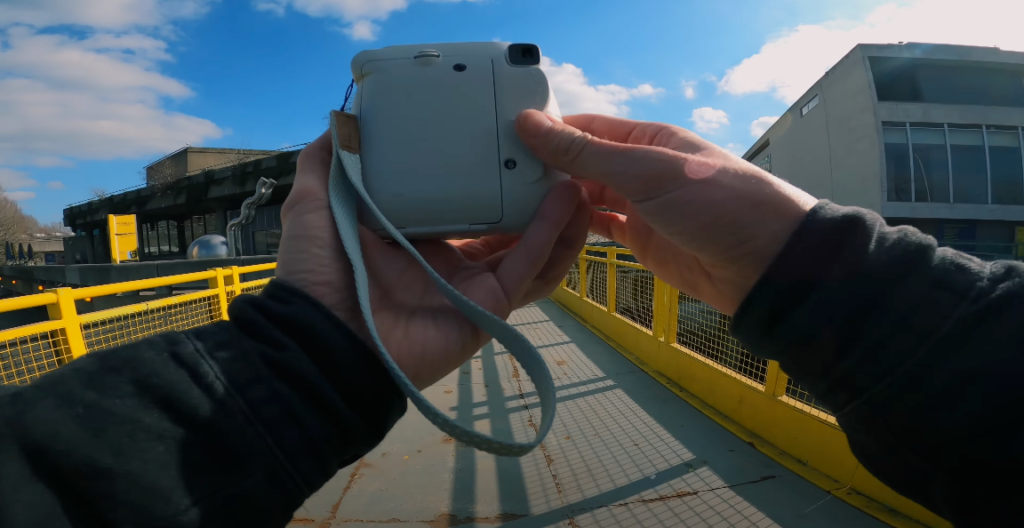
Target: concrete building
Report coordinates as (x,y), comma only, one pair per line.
(191,160)
(926,135)
(171,214)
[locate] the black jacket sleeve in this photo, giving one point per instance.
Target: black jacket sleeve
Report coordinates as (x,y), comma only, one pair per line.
(231,424)
(916,349)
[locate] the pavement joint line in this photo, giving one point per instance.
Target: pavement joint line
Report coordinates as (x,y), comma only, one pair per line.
(543,448)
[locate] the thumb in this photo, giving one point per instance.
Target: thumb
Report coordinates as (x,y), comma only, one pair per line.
(637,172)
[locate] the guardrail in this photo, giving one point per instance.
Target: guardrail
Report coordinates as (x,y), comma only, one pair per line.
(686,345)
(27,352)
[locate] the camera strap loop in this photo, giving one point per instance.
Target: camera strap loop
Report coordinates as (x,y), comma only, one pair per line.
(346,184)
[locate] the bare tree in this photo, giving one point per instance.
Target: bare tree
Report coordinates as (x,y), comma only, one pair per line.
(54,228)
(162,173)
(15,224)
(99,193)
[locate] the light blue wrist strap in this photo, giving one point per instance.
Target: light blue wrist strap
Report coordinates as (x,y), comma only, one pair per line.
(346,182)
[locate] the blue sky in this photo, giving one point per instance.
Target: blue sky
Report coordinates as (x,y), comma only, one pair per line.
(92,90)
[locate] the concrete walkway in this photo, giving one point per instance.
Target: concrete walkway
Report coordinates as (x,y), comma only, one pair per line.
(624,451)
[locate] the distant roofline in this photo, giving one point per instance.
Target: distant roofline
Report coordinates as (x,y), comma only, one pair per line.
(750,152)
(912,43)
(194,148)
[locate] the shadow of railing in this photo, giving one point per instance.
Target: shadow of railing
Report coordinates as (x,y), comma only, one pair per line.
(639,454)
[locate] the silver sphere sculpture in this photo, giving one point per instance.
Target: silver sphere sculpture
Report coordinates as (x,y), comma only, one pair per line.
(208,247)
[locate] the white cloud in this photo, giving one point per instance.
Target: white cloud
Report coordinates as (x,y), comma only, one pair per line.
(100,14)
(689,89)
(276,7)
(708,120)
(359,14)
(20,195)
(576,95)
(736,148)
(51,161)
(56,185)
(362,30)
(761,125)
(789,64)
(90,92)
(12,179)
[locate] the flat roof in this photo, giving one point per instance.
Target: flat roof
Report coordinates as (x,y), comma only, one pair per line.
(192,148)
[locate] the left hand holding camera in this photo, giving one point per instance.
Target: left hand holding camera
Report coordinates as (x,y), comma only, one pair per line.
(425,335)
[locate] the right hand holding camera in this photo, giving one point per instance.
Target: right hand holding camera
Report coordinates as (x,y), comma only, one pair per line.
(701,219)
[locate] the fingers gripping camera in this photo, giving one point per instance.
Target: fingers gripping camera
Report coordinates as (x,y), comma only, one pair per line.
(440,154)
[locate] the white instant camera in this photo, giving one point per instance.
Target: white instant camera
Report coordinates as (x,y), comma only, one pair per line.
(440,154)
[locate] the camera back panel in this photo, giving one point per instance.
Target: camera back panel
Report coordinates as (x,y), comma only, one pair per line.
(439,150)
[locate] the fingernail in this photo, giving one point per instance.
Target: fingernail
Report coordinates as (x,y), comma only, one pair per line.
(533,122)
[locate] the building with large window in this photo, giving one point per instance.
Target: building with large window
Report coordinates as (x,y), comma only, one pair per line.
(926,135)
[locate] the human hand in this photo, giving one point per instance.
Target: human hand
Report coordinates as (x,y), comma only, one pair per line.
(701,219)
(425,335)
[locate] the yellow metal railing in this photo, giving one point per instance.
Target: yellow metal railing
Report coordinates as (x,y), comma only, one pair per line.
(686,344)
(26,352)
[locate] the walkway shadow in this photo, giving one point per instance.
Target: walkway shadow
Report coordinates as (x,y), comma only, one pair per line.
(625,450)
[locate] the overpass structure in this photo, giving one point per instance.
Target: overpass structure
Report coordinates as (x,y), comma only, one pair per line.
(663,419)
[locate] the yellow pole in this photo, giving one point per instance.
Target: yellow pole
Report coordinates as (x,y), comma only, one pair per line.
(661,314)
(671,314)
(233,282)
(774,379)
(64,311)
(583,275)
(217,283)
(611,280)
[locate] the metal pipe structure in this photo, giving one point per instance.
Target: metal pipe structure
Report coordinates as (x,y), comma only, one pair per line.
(263,190)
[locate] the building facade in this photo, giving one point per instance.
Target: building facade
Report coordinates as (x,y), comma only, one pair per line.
(926,135)
(191,160)
(170,215)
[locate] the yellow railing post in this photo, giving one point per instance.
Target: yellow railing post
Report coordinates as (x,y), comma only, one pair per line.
(583,275)
(64,310)
(233,282)
(773,378)
(665,315)
(611,279)
(671,314)
(217,283)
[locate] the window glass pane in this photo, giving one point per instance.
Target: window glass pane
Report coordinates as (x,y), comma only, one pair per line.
(187,226)
(211,223)
(198,226)
(809,106)
(273,241)
(143,239)
(947,82)
(931,165)
(154,243)
(259,242)
(161,231)
(1007,173)
(897,164)
(970,179)
(172,235)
